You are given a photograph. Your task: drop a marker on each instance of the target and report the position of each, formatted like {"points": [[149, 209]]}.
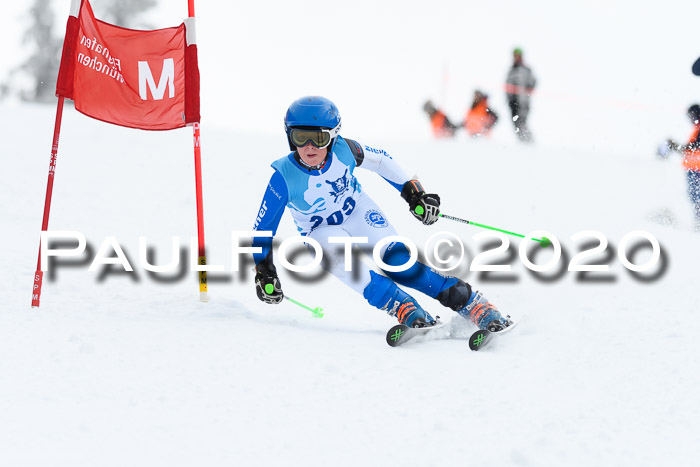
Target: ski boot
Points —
{"points": [[408, 311], [484, 314]]}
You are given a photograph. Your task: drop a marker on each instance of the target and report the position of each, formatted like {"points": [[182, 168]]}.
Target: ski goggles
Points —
{"points": [[319, 137]]}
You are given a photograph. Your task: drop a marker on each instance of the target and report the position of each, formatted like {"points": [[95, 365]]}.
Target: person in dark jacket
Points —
{"points": [[520, 84]]}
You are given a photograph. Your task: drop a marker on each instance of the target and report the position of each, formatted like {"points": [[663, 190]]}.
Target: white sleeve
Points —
{"points": [[379, 161]]}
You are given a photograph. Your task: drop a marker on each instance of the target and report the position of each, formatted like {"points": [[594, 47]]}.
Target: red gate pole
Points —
{"points": [[39, 274], [203, 295]]}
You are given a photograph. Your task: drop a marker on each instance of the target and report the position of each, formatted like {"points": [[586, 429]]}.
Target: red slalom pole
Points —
{"points": [[39, 274], [202, 259], [203, 295]]}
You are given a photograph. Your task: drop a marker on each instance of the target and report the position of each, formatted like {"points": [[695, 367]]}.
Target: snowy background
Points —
{"points": [[130, 369]]}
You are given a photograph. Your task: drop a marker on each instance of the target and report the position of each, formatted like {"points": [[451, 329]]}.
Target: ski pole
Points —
{"points": [[544, 241], [317, 312]]}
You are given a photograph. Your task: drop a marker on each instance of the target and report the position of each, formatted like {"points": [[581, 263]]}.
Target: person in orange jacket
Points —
{"points": [[441, 125], [691, 160], [480, 118]]}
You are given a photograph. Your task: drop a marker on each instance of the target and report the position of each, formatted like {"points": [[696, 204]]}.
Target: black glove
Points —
{"points": [[267, 284], [424, 206]]}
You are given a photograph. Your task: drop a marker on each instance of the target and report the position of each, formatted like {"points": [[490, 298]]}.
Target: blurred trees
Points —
{"points": [[34, 79], [124, 13]]}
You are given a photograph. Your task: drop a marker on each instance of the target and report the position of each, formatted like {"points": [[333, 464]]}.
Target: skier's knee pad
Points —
{"points": [[379, 290], [456, 296]]}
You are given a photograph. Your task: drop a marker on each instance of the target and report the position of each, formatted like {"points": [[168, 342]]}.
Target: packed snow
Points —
{"points": [[127, 368]]}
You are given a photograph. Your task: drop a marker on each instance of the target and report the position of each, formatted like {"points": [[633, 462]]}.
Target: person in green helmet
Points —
{"points": [[520, 83]]}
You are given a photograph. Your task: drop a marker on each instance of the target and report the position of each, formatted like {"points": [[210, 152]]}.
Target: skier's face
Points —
{"points": [[312, 155]]}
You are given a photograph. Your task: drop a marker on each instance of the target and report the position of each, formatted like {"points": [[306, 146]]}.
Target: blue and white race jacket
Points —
{"points": [[320, 197]]}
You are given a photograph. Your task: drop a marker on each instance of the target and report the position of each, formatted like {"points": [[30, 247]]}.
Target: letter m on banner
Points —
{"points": [[138, 79], [167, 78]]}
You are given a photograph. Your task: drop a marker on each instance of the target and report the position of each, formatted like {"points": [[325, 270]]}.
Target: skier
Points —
{"points": [[316, 181], [441, 125], [520, 83], [691, 161], [480, 117]]}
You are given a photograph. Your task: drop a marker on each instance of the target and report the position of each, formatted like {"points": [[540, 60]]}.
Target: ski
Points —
{"points": [[479, 339], [400, 334]]}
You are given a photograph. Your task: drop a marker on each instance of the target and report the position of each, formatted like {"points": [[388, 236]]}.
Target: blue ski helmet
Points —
{"points": [[311, 112]]}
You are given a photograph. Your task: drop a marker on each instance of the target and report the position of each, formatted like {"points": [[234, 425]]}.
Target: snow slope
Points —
{"points": [[127, 370]]}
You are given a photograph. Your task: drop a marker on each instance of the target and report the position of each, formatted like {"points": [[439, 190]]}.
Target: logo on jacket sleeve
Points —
{"points": [[381, 152], [261, 214], [376, 219]]}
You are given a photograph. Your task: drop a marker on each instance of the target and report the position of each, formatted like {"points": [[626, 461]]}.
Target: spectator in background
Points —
{"points": [[441, 125], [691, 161], [480, 118], [520, 83]]}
